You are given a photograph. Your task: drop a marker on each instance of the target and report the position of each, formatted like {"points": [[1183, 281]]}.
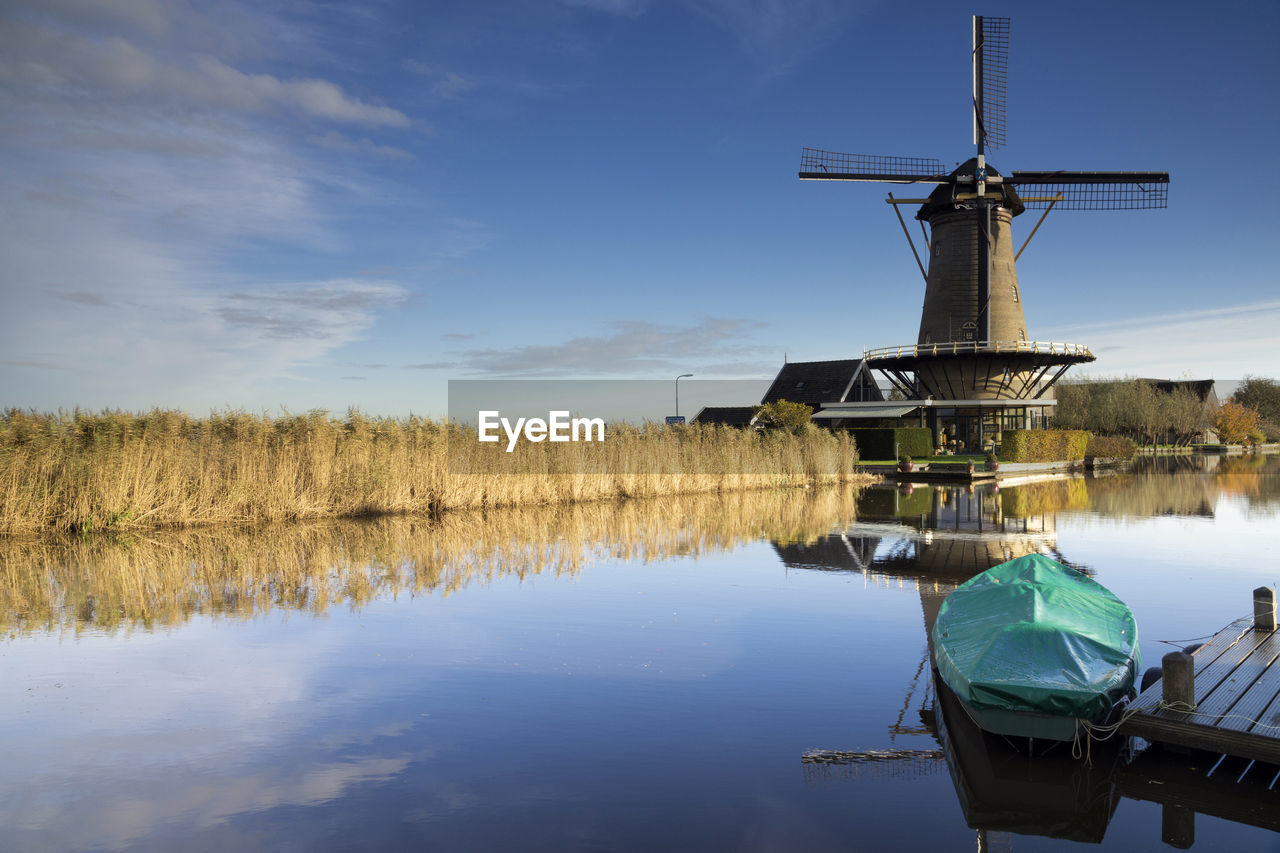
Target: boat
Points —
{"points": [[1033, 648]]}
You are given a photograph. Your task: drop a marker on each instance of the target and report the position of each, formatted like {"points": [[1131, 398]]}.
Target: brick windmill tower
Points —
{"points": [[974, 369]]}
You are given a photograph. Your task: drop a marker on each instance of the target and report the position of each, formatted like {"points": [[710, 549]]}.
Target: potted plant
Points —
{"points": [[969, 467], [993, 464], [904, 463]]}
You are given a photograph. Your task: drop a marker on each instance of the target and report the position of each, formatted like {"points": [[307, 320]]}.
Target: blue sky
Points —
{"points": [[309, 205]]}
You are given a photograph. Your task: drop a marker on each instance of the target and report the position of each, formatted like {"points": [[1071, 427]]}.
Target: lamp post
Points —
{"points": [[678, 378]]}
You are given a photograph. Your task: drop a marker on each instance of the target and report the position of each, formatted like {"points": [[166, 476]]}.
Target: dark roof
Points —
{"points": [[1202, 388], [816, 382], [739, 416]]}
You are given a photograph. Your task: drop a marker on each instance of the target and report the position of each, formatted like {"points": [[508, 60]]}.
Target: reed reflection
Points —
{"points": [[163, 579]]}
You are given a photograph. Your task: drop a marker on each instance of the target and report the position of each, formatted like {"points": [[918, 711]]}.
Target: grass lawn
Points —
{"points": [[977, 459]]}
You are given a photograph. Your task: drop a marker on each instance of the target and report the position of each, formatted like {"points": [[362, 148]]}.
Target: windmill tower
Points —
{"points": [[973, 365]]}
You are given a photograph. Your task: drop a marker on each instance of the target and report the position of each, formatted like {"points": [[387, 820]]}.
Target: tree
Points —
{"points": [[1184, 413], [1262, 395], [1234, 422], [783, 414]]}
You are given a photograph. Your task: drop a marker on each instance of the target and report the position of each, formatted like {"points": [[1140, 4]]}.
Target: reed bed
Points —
{"points": [[159, 578], [119, 470]]}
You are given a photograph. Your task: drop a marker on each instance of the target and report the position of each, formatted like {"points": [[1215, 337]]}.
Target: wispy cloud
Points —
{"points": [[623, 8], [159, 143], [324, 311], [83, 297], [779, 33], [633, 347], [1170, 345], [432, 365], [453, 85], [335, 141]]}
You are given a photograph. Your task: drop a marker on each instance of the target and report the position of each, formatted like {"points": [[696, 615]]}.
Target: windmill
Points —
{"points": [[973, 352]]}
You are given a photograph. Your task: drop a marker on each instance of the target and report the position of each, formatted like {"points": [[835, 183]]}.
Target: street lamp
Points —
{"points": [[678, 378]]}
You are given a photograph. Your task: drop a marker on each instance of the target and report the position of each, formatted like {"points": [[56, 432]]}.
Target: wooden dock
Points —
{"points": [[1224, 697]]}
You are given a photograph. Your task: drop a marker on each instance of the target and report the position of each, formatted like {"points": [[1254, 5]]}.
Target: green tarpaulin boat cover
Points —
{"points": [[1033, 635]]}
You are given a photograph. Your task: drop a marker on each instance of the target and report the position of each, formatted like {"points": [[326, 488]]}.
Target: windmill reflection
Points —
{"points": [[936, 538]]}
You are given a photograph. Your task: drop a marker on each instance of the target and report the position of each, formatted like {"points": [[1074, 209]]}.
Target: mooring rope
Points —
{"points": [[1087, 732], [1184, 708]]}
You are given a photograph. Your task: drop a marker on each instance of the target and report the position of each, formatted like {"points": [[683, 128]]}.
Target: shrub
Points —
{"points": [[1109, 447], [1234, 422], [1043, 445], [891, 443]]}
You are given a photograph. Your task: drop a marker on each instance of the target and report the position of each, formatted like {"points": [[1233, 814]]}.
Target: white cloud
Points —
{"points": [[221, 84]]}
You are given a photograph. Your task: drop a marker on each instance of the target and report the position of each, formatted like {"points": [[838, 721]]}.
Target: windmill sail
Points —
{"points": [[1093, 190], [819, 165]]}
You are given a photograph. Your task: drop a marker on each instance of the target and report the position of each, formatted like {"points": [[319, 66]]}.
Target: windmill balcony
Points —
{"points": [[978, 348]]}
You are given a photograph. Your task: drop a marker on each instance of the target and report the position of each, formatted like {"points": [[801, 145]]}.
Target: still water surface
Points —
{"points": [[739, 672]]}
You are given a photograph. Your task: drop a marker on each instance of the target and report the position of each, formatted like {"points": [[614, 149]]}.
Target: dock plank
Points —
{"points": [[1269, 720], [1229, 695], [1261, 694]]}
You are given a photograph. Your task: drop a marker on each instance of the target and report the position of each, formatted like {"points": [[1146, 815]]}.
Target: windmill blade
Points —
{"points": [[990, 80], [818, 165], [1093, 190]]}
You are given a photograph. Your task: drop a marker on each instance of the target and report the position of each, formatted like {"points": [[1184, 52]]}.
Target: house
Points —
{"points": [[736, 416]]}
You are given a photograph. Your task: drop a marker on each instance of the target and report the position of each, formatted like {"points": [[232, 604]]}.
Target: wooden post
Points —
{"points": [[1178, 676], [1264, 608]]}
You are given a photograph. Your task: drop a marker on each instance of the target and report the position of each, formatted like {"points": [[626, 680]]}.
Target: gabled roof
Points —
{"points": [[1204, 389], [739, 416], [816, 382]]}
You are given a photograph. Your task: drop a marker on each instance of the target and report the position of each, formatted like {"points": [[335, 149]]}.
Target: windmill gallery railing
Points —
{"points": [[976, 348]]}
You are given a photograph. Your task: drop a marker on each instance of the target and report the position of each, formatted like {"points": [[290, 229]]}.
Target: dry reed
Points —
{"points": [[118, 470]]}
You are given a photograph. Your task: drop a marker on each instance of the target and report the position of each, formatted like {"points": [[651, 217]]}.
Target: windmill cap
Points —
{"points": [[942, 199]]}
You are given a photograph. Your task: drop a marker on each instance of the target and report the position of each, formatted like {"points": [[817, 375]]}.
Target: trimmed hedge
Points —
{"points": [[879, 443], [1043, 445], [1109, 447]]}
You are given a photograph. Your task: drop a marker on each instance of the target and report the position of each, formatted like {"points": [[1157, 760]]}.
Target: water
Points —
{"points": [[739, 672]]}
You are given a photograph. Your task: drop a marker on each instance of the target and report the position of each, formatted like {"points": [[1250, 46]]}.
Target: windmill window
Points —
{"points": [[937, 248], [1014, 287], [799, 385], [1022, 334]]}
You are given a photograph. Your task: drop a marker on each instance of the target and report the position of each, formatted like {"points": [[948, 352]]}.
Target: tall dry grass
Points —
{"points": [[163, 578], [120, 470]]}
